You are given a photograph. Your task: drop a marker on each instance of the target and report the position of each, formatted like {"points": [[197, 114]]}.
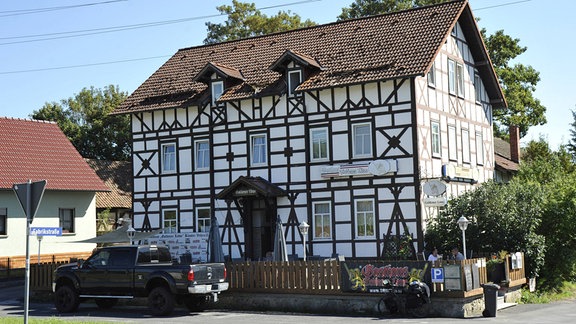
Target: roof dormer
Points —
{"points": [[218, 77], [296, 67]]}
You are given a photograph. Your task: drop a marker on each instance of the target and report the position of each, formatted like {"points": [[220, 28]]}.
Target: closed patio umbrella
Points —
{"points": [[215, 253], [280, 250]]}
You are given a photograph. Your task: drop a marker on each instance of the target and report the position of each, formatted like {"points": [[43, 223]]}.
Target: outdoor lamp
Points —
{"points": [[303, 227], [130, 232], [463, 224]]}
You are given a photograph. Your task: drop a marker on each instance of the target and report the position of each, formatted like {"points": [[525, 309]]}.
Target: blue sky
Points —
{"points": [[35, 72]]}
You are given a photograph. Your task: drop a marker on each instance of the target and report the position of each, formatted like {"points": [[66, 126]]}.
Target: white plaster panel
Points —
{"points": [[279, 175], [187, 219], [260, 173], [404, 92], [339, 97], [323, 247], [152, 184], [343, 233], [383, 120], [319, 185], [169, 182], [298, 174], [372, 92], [340, 147], [220, 150], [404, 118], [239, 149], [185, 182], [298, 158], [342, 196], [240, 163], [277, 145], [365, 249], [152, 145], [201, 180], [220, 164]]}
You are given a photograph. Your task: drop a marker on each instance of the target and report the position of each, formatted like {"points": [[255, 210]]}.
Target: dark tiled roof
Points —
{"points": [[260, 185], [117, 175], [390, 46], [39, 150], [502, 156]]}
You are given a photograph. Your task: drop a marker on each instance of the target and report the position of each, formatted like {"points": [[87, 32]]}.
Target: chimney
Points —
{"points": [[514, 143]]}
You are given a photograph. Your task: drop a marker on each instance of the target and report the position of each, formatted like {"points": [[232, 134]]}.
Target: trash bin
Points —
{"points": [[490, 299]]}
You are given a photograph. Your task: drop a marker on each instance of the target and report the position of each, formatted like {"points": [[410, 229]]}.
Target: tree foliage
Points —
{"points": [[555, 173], [86, 121], [572, 143], [244, 20], [518, 81], [503, 217], [363, 8]]}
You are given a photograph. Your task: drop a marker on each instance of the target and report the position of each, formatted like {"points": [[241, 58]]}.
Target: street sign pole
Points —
{"points": [[27, 278], [29, 195]]}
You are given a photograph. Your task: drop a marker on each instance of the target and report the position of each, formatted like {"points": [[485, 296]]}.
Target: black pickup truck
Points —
{"points": [[125, 272]]}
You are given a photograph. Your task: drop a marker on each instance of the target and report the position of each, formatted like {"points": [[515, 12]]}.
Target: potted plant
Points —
{"points": [[495, 267]]}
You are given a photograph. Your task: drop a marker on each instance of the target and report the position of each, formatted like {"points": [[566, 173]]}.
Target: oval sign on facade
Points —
{"points": [[434, 188]]}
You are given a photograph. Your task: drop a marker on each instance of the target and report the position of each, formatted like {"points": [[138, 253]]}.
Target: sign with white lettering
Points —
{"points": [[373, 168], [46, 231], [437, 274]]}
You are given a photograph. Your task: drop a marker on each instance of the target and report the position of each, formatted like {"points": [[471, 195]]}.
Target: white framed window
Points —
{"points": [[3, 221], [319, 143], [202, 155], [365, 220], [436, 143], [203, 219], [169, 221], [479, 149], [451, 76], [66, 219], [432, 76], [452, 145], [478, 87], [217, 91], [294, 80], [258, 149], [460, 79], [168, 157], [465, 146], [322, 220], [362, 137]]}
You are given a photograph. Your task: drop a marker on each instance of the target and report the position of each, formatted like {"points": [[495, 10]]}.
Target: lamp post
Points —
{"points": [[130, 232], [304, 231], [463, 224]]}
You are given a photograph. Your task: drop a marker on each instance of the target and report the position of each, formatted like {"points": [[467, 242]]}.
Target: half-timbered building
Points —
{"points": [[361, 128]]}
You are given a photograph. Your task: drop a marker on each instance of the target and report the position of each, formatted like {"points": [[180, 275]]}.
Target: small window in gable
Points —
{"points": [[432, 76], [217, 91], [478, 87], [294, 80]]}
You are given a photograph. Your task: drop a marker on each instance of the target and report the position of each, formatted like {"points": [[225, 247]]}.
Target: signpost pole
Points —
{"points": [[27, 275]]}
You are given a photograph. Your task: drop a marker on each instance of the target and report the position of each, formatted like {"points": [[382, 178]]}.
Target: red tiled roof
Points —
{"points": [[117, 175], [396, 45], [39, 150]]}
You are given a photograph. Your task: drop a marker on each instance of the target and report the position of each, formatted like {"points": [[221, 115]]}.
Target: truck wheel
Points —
{"points": [[106, 303], [66, 299], [195, 303], [160, 301]]}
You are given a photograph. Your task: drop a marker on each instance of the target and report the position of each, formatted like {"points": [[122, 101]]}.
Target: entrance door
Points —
{"points": [[261, 230]]}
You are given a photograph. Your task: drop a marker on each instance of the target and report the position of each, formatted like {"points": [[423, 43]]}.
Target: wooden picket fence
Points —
{"points": [[13, 267], [301, 277], [310, 277]]}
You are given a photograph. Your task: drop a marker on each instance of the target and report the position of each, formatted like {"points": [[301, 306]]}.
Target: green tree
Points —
{"points": [[555, 174], [572, 143], [363, 8], [86, 121], [503, 217], [244, 20], [518, 81]]}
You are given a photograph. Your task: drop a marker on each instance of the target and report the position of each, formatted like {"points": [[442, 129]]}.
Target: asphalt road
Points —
{"points": [[12, 305]]}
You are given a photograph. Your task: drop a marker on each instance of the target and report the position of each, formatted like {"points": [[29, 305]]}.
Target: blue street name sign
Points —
{"points": [[437, 274], [46, 231]]}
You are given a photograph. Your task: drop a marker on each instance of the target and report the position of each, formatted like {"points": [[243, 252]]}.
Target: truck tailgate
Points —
{"points": [[208, 273]]}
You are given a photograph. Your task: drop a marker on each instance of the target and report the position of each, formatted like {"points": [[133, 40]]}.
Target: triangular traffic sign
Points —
{"points": [[32, 190]]}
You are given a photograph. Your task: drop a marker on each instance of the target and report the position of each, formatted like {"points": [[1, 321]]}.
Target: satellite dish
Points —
{"points": [[379, 167]]}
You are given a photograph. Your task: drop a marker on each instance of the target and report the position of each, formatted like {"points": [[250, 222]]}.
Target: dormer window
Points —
{"points": [[294, 80], [217, 91]]}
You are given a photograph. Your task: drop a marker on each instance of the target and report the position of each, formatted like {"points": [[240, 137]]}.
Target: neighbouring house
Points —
{"points": [[507, 156], [38, 150], [361, 128], [115, 205]]}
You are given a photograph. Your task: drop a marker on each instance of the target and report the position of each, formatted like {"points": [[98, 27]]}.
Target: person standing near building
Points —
{"points": [[456, 255]]}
